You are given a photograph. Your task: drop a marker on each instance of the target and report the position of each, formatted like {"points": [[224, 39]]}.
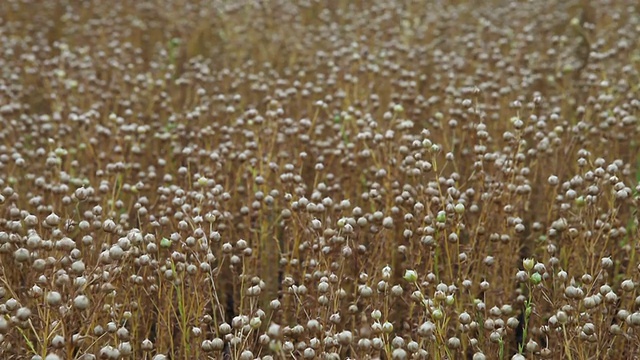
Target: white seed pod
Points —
{"points": [[81, 302]]}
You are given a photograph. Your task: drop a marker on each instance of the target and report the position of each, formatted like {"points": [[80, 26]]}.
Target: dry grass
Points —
{"points": [[319, 179]]}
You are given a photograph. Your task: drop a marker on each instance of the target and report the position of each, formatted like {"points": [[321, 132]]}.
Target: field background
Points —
{"points": [[319, 179]]}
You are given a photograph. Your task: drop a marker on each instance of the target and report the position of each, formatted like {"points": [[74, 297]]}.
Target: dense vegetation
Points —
{"points": [[319, 179]]}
